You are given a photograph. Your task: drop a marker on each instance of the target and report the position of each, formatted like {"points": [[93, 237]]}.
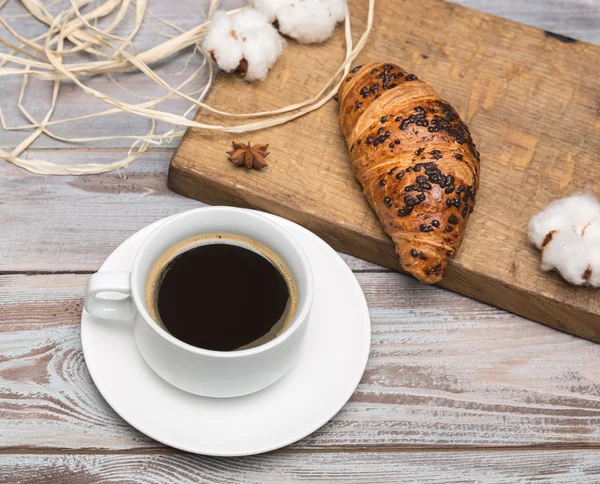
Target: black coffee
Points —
{"points": [[222, 297]]}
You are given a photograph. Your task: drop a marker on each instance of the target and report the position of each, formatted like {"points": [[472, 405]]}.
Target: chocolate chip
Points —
{"points": [[404, 211]]}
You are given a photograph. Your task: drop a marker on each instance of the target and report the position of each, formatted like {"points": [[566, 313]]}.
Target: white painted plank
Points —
{"points": [[578, 19], [444, 372], [74, 223], [561, 467], [73, 102]]}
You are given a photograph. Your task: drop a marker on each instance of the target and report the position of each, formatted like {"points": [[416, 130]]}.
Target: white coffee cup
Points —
{"points": [[196, 370]]}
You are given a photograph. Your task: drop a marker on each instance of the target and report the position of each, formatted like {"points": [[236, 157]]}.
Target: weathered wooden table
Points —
{"points": [[454, 391]]}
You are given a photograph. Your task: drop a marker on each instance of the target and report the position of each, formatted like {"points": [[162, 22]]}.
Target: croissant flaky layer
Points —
{"points": [[415, 160]]}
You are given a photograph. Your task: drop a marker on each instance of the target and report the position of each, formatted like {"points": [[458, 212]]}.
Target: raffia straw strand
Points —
{"points": [[46, 62]]}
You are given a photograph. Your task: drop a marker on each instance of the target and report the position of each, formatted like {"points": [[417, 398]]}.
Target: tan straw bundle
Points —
{"points": [[45, 58]]}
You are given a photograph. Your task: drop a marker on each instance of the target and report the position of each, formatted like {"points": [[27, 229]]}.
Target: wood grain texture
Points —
{"points": [[445, 371], [530, 100], [74, 223], [367, 468]]}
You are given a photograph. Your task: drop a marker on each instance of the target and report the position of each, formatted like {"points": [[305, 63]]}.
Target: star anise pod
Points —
{"points": [[250, 156]]}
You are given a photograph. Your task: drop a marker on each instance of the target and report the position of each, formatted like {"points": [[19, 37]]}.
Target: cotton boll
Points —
{"points": [[307, 21], [245, 36], [261, 43], [219, 41], [568, 233], [571, 213], [566, 252]]}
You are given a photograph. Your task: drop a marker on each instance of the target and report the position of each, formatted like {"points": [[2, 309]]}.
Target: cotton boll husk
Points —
{"points": [[567, 253], [307, 21], [226, 49], [571, 213], [245, 35]]}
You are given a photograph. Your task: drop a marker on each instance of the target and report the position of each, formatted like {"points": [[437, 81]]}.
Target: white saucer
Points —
{"points": [[326, 374]]}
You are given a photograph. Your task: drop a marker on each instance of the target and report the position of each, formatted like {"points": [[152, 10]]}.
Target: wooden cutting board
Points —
{"points": [[531, 99]]}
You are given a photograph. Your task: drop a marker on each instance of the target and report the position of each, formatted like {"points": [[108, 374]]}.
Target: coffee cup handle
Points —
{"points": [[109, 308]]}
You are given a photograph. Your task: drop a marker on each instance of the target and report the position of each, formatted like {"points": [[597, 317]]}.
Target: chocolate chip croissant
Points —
{"points": [[415, 160]]}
